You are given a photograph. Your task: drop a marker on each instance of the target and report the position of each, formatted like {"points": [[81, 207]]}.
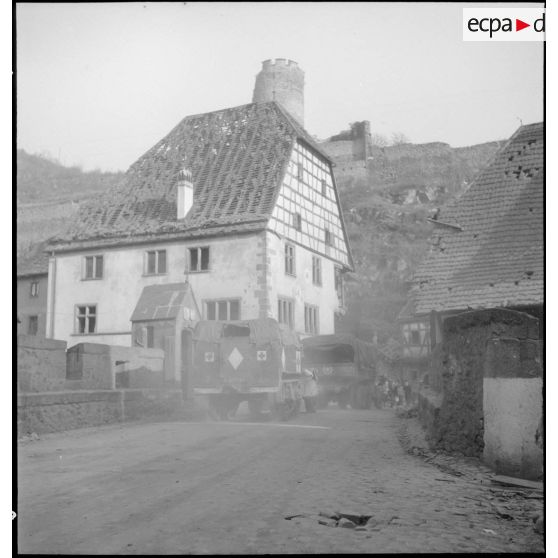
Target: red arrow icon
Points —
{"points": [[519, 25]]}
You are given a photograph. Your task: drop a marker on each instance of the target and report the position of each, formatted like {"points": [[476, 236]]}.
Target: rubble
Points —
{"points": [[346, 523], [506, 497]]}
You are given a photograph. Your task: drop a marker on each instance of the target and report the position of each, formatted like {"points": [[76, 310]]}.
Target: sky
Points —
{"points": [[99, 84]]}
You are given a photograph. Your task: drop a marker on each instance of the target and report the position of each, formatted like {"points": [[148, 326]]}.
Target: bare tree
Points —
{"points": [[397, 138], [378, 140]]}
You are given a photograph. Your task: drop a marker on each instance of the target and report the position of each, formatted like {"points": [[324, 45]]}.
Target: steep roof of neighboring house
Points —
{"points": [[237, 156], [34, 263], [488, 245]]}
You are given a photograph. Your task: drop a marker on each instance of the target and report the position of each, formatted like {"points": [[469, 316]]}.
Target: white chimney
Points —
{"points": [[184, 193]]}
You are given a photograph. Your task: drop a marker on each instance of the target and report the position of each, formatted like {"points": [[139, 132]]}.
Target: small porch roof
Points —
{"points": [[166, 302]]}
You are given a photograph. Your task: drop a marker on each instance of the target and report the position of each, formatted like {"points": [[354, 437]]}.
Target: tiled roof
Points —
{"points": [[164, 302], [409, 311], [34, 263], [237, 157], [491, 254]]}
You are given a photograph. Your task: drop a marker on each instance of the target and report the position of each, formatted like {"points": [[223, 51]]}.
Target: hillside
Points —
{"points": [[40, 180], [385, 207], [48, 195]]}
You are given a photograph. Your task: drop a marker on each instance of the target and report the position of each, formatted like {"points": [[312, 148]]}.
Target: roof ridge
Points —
{"points": [[301, 131]]}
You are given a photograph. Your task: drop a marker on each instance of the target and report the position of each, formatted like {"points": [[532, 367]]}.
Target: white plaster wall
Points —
{"points": [[233, 274], [512, 411], [301, 288]]}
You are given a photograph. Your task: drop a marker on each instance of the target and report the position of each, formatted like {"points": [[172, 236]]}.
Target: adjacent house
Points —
{"points": [[488, 245], [415, 343], [32, 280], [482, 286], [240, 203]]}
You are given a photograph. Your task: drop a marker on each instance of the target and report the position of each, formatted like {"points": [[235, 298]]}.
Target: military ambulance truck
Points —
{"points": [[258, 361]]}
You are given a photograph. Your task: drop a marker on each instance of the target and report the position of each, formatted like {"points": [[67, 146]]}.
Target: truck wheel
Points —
{"points": [[231, 409], [255, 406], [323, 401], [354, 397], [309, 405], [360, 397], [343, 399]]}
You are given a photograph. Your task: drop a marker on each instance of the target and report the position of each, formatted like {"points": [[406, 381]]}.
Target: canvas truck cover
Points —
{"points": [[337, 349], [246, 356]]}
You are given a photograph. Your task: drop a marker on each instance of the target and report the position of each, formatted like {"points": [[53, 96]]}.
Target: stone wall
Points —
{"points": [[58, 411], [41, 364], [99, 366], [61, 390], [429, 403], [459, 365], [89, 367]]}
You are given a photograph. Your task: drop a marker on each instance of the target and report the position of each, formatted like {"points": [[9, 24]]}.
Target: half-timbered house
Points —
{"points": [[240, 203]]}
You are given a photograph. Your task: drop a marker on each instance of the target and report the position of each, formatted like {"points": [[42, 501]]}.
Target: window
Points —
{"points": [[199, 259], [222, 309], [327, 237], [339, 283], [300, 171], [415, 337], [155, 262], [93, 267], [150, 337], [33, 325], [324, 187], [297, 221], [316, 270], [311, 322], [86, 318], [290, 259], [34, 289], [285, 312]]}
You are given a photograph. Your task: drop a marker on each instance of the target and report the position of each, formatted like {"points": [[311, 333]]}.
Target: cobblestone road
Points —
{"points": [[226, 488]]}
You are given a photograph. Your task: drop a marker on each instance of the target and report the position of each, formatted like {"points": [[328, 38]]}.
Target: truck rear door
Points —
{"points": [[246, 365]]}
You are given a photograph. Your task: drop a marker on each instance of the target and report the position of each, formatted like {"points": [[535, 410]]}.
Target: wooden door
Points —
{"points": [[168, 343]]}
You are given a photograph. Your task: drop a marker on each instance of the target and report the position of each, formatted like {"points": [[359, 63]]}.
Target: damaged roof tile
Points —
{"points": [[237, 158], [497, 260]]}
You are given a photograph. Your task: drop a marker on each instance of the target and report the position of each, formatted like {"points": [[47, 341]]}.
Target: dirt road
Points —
{"points": [[227, 487]]}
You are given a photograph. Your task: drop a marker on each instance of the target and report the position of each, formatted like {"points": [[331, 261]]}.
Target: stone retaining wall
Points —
{"points": [[66, 410], [41, 364]]}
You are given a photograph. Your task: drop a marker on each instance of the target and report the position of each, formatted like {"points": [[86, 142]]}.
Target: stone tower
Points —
{"points": [[281, 80]]}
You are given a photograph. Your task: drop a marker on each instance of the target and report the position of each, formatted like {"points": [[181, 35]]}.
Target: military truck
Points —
{"points": [[258, 361], [345, 367]]}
